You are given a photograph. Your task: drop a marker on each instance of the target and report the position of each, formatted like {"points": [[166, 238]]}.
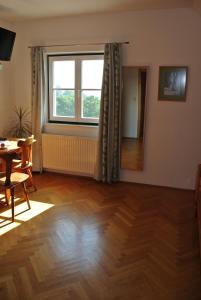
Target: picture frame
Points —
{"points": [[172, 83]]}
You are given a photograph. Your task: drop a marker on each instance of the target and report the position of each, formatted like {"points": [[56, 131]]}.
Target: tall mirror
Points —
{"points": [[133, 116]]}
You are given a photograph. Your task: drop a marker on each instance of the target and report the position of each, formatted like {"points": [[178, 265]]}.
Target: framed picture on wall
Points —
{"points": [[172, 83]]}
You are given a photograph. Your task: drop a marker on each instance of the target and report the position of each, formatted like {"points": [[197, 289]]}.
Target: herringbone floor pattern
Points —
{"points": [[121, 241]]}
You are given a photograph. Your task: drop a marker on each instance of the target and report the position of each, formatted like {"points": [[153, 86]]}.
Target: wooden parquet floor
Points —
{"points": [[132, 154], [119, 242]]}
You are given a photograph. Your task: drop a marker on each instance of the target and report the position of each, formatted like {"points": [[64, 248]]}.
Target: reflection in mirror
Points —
{"points": [[133, 115]]}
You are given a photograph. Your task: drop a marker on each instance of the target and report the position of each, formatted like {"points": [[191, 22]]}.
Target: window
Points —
{"points": [[75, 88]]}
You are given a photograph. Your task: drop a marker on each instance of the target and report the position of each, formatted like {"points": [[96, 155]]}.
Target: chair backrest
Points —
{"points": [[26, 150]]}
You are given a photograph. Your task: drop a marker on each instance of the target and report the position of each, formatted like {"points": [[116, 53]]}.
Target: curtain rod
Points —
{"points": [[84, 44]]}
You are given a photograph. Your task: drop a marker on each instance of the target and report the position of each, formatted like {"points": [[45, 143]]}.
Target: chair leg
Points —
{"points": [[7, 195], [26, 195], [12, 203], [29, 172]]}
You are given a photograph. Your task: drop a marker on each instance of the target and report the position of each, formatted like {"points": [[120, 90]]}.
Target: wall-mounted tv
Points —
{"points": [[7, 39]]}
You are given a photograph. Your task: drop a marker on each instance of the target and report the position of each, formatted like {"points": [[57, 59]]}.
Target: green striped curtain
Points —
{"points": [[108, 154], [38, 104]]}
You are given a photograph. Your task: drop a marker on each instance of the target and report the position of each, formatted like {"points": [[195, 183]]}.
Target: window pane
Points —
{"points": [[64, 103], [92, 72], [64, 74], [91, 104]]}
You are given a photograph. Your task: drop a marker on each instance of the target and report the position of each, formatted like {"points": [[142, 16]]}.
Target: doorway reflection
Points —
{"points": [[133, 116]]}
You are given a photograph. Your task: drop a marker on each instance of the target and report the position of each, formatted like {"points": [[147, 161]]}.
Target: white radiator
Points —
{"points": [[70, 154]]}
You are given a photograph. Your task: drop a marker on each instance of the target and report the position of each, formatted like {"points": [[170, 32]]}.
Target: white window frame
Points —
{"points": [[78, 58]]}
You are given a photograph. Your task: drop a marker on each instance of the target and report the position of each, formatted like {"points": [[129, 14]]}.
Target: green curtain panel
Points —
{"points": [[38, 104], [108, 153]]}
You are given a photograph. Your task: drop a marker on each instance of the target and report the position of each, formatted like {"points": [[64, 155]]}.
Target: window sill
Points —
{"points": [[71, 129]]}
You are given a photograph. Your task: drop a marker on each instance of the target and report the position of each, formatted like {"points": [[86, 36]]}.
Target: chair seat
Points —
{"points": [[16, 161], [21, 167], [15, 178]]}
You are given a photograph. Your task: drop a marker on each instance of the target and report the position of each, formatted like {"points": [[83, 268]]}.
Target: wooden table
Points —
{"points": [[7, 154]]}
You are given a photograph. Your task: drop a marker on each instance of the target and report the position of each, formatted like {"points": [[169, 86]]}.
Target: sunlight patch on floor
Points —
{"points": [[7, 225], [22, 214]]}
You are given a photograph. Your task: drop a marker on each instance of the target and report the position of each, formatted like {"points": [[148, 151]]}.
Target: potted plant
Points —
{"points": [[21, 124]]}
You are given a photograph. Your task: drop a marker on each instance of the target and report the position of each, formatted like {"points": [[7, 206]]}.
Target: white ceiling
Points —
{"points": [[26, 9]]}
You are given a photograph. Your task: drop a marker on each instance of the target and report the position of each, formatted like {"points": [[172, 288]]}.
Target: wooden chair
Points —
{"points": [[9, 181], [24, 165]]}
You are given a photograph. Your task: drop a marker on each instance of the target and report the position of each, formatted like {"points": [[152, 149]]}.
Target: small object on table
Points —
{"points": [[3, 146]]}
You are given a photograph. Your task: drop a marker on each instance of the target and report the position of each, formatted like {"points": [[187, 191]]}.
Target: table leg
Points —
{"points": [[7, 165]]}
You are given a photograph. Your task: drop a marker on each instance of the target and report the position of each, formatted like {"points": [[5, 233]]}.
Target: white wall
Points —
{"points": [[5, 87], [172, 37]]}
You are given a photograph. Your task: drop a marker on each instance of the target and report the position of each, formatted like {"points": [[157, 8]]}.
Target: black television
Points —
{"points": [[7, 39]]}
